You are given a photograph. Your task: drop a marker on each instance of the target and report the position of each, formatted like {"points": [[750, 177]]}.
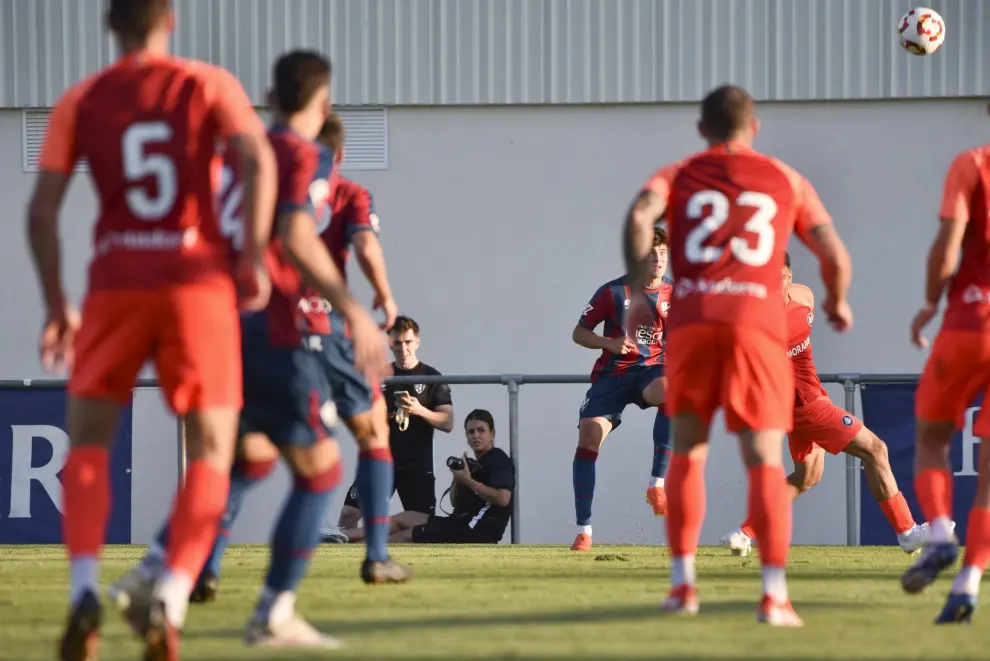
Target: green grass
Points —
{"points": [[527, 602]]}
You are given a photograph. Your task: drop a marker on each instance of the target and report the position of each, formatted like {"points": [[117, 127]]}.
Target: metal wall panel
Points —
{"points": [[467, 52]]}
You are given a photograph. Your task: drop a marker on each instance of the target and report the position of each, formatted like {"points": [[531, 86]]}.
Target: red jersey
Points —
{"points": [[352, 211], [304, 169], [608, 306], [800, 312], [730, 214], [149, 127], [967, 197]]}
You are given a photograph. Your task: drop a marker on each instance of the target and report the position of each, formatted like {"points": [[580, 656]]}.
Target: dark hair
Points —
{"points": [[135, 18], [298, 76], [787, 259], [403, 324], [481, 415], [659, 237], [332, 133], [726, 111]]}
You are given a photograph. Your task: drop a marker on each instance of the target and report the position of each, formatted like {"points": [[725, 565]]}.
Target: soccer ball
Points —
{"points": [[921, 30]]}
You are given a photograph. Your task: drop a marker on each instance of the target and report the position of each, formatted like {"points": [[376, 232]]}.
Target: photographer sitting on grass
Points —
{"points": [[481, 494]]}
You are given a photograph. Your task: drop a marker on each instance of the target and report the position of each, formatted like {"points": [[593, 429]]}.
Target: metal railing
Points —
{"points": [[850, 382]]}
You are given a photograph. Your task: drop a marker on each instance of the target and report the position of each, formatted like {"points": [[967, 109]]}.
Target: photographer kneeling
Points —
{"points": [[481, 494]]}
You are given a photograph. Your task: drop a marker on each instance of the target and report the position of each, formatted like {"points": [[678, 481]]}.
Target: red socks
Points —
{"points": [[685, 487], [770, 513], [86, 500], [898, 513], [199, 505], [934, 489]]}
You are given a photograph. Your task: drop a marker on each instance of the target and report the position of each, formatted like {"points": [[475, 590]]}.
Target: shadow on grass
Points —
{"points": [[590, 615]]}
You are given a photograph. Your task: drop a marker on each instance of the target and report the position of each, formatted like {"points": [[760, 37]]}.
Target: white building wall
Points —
{"points": [[499, 223], [496, 52]]}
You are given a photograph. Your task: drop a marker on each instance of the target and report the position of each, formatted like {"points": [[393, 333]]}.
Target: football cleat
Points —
{"points": [[933, 560], [206, 588], [289, 632], [582, 542], [389, 571], [333, 535], [738, 542], [958, 609], [682, 600], [777, 613], [81, 640], [657, 498]]}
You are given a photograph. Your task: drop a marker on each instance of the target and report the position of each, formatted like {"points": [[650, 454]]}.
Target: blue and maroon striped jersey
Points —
{"points": [[609, 306], [304, 170], [352, 211]]}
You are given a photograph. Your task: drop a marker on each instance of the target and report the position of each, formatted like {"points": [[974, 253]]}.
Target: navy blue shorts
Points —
{"points": [[351, 393], [610, 395], [286, 394]]}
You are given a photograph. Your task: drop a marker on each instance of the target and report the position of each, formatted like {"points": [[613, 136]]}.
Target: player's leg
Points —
{"points": [[316, 472], [962, 599], [867, 447], [809, 467], [591, 435], [256, 460], [694, 379], [655, 395], [600, 413], [362, 408], [758, 396], [954, 373], [198, 360], [113, 342]]}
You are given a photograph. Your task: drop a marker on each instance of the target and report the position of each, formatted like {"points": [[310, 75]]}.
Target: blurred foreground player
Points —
{"points": [[629, 371], [957, 371], [730, 213], [287, 408], [160, 288], [820, 426], [359, 403]]}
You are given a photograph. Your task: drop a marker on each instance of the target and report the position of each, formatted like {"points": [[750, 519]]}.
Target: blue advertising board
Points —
{"points": [[888, 410], [33, 448]]}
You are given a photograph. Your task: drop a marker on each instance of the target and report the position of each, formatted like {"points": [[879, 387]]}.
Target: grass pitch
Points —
{"points": [[526, 602]]}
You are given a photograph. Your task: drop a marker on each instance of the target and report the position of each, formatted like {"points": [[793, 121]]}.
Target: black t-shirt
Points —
{"points": [[498, 472], [413, 448]]}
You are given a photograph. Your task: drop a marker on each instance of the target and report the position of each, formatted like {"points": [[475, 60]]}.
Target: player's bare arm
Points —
{"points": [[943, 259], [589, 339], [371, 258], [61, 318], [308, 254], [836, 271], [256, 162], [637, 238]]}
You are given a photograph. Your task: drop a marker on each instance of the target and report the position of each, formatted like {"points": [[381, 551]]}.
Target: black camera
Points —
{"points": [[456, 464]]}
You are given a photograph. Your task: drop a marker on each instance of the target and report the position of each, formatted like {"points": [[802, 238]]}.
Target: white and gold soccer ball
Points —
{"points": [[921, 31]]}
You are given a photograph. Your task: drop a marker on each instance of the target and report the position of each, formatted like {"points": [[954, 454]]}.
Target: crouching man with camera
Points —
{"points": [[480, 493]]}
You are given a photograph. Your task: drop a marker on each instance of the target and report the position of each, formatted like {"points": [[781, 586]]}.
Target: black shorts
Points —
{"points": [[417, 491], [451, 530]]}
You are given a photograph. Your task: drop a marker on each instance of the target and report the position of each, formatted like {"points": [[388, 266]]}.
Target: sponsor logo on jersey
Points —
{"points": [[664, 308], [799, 349], [648, 335], [811, 318], [847, 421]]}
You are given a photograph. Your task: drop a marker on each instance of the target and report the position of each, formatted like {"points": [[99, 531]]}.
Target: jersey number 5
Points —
{"points": [[760, 224], [138, 164]]}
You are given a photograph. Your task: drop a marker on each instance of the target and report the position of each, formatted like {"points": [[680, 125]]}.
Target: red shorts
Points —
{"points": [[743, 371], [957, 370], [192, 333], [821, 423]]}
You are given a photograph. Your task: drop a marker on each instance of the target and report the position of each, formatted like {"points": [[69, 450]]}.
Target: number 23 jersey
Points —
{"points": [[730, 212]]}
